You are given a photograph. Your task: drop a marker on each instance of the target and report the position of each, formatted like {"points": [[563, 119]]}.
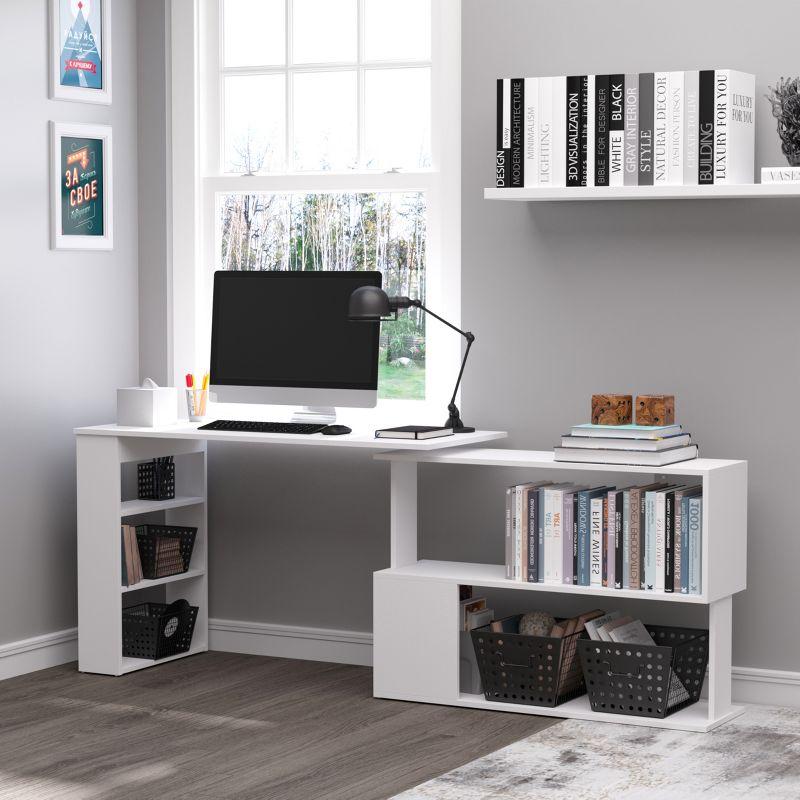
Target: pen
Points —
{"points": [[204, 395]]}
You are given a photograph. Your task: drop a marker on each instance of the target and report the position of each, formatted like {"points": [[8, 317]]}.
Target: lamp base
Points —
{"points": [[454, 421]]}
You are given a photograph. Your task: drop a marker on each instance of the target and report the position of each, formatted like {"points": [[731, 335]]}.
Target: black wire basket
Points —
{"points": [[165, 549], [646, 680], [528, 670], [157, 630]]}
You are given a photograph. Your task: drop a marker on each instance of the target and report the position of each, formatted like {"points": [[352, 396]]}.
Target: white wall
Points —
{"points": [[68, 321]]}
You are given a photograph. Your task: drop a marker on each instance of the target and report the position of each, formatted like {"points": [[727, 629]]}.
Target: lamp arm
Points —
{"points": [[454, 421], [470, 339], [465, 334]]}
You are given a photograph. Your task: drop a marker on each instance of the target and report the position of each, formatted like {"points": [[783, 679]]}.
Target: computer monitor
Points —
{"points": [[285, 338]]}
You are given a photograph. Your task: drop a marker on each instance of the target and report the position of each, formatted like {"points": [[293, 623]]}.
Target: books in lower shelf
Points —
{"points": [[689, 127], [614, 627], [643, 537]]}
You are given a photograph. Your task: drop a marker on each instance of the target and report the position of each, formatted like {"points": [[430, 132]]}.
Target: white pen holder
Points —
{"points": [[196, 402]]}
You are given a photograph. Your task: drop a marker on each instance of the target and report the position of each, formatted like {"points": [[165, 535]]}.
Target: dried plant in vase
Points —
{"points": [[785, 100]]}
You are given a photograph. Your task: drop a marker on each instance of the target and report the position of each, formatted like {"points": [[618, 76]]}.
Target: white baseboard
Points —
{"points": [[750, 684], [770, 687], [287, 641], [38, 652]]}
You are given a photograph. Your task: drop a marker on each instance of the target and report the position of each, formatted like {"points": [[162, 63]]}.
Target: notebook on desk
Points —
{"points": [[413, 432]]}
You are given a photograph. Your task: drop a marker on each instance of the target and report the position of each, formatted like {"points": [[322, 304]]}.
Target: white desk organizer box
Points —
{"points": [[147, 406]]}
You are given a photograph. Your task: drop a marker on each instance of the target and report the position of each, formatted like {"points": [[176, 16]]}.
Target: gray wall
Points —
{"points": [[68, 323], [154, 178], [696, 298]]}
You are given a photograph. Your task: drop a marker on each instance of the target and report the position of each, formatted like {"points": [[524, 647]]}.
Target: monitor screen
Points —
{"points": [[291, 329]]}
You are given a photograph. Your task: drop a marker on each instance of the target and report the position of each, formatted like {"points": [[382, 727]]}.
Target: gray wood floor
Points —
{"points": [[220, 725]]}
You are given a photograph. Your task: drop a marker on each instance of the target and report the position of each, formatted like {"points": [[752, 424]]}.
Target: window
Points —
{"points": [[321, 145], [336, 85], [341, 231]]}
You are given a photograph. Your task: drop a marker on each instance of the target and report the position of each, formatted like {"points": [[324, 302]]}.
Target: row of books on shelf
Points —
{"points": [[693, 127], [639, 537]]}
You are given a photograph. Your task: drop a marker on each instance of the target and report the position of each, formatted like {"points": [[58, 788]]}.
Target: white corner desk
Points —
{"points": [[101, 452]]}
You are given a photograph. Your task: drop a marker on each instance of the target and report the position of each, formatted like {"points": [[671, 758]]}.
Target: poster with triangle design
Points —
{"points": [[80, 26]]}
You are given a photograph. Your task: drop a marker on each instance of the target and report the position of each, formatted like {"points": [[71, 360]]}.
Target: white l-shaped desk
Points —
{"points": [[101, 451]]}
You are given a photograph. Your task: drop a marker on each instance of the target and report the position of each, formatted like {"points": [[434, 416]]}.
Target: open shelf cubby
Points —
{"points": [[416, 602]]}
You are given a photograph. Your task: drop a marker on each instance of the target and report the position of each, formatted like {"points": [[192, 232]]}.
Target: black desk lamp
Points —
{"points": [[371, 304]]}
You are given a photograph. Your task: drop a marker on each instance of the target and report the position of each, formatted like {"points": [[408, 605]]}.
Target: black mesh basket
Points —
{"points": [[156, 630], [528, 670], [156, 480], [646, 680], [165, 549]]}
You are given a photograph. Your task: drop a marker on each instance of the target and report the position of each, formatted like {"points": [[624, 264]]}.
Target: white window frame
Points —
{"points": [[197, 179]]}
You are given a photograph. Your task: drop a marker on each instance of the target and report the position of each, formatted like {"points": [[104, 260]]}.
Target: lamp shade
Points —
{"points": [[369, 304]]}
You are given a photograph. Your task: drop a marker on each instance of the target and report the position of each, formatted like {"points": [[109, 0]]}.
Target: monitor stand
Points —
{"points": [[320, 415]]}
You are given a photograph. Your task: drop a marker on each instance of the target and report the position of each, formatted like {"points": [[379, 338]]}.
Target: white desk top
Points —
{"points": [[189, 430]]}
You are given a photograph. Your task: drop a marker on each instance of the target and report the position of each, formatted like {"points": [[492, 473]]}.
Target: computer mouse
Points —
{"points": [[335, 430]]}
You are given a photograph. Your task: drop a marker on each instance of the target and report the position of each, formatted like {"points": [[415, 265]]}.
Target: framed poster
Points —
{"points": [[80, 50], [81, 175]]}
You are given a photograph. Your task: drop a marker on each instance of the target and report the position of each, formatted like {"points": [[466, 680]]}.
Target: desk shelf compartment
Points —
{"points": [[106, 491]]}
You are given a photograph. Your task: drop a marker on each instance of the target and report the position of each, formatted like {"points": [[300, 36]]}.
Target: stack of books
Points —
{"points": [[636, 445], [645, 538], [694, 127]]}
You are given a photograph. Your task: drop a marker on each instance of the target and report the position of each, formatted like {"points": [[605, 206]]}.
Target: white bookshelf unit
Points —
{"points": [[101, 595], [588, 193], [416, 603]]}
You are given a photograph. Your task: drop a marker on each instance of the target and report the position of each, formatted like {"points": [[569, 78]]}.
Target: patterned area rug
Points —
{"points": [[755, 756]]}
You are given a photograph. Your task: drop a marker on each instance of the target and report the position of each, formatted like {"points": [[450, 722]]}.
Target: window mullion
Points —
{"points": [[289, 89], [360, 80]]}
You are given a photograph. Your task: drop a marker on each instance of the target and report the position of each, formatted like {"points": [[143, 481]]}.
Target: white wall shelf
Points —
{"points": [[589, 193], [416, 623], [147, 583]]}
